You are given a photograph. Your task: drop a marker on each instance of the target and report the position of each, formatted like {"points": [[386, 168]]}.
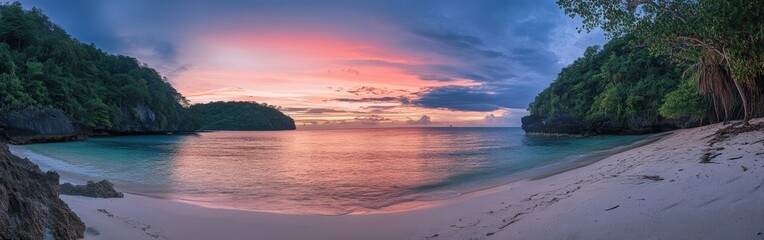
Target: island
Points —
{"points": [[241, 116]]}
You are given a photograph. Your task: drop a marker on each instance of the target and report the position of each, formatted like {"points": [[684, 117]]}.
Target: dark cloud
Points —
{"points": [[290, 109], [380, 109], [490, 118], [468, 44], [450, 38], [365, 90], [508, 118], [384, 107], [178, 70], [163, 50], [489, 72], [317, 110], [347, 71], [324, 110], [373, 100], [483, 98], [428, 77], [371, 119], [81, 19], [424, 120]]}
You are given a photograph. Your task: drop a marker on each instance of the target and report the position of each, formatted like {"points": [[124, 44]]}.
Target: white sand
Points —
{"points": [[694, 201]]}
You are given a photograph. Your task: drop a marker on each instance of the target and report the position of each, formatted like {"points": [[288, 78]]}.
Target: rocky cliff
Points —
{"points": [[142, 120], [21, 125], [29, 204], [24, 125], [566, 126]]}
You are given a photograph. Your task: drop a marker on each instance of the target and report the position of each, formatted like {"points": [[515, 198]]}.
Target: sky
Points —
{"points": [[346, 63]]}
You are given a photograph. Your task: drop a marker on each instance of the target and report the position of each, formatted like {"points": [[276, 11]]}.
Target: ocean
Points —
{"points": [[320, 171]]}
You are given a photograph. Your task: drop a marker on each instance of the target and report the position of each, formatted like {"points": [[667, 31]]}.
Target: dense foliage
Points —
{"points": [[617, 84], [684, 102], [242, 116], [42, 66], [723, 41]]}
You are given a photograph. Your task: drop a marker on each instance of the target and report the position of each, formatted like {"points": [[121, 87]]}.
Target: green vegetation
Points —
{"points": [[723, 42], [618, 84], [684, 102], [242, 116], [42, 66]]}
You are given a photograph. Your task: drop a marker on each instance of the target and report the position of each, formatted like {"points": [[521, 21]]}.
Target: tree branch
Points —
{"points": [[636, 3]]}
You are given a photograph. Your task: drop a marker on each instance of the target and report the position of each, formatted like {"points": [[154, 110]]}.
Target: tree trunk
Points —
{"points": [[744, 100]]}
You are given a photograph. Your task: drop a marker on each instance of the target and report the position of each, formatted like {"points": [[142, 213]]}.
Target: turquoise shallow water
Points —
{"points": [[320, 171]]}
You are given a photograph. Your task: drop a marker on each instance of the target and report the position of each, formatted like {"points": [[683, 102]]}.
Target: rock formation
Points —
{"points": [[24, 125], [101, 189], [566, 126], [29, 204], [21, 125], [142, 120]]}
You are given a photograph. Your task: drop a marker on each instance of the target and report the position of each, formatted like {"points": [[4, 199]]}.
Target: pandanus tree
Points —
{"points": [[723, 40]]}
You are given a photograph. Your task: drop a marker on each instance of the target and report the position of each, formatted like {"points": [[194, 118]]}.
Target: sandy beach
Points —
{"points": [[656, 191]]}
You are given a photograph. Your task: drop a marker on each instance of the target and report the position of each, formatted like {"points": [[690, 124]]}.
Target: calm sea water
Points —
{"points": [[320, 171]]}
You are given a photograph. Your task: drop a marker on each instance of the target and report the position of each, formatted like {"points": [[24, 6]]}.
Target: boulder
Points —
{"points": [[101, 189]]}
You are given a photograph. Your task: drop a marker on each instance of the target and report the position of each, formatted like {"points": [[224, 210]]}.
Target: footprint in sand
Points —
{"points": [[146, 228]]}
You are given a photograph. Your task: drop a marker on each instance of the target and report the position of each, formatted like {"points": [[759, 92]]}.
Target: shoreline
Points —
{"points": [[611, 198], [463, 190]]}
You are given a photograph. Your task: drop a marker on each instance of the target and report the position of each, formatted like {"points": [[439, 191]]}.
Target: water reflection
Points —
{"points": [[325, 171], [367, 169]]}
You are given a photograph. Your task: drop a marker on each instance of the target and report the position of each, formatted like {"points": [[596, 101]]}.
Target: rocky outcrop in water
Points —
{"points": [[101, 189], [21, 125], [567, 126], [557, 126], [29, 204]]}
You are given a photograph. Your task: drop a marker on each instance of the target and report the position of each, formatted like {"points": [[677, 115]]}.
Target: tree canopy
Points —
{"points": [[42, 66], [618, 83], [242, 116], [723, 42]]}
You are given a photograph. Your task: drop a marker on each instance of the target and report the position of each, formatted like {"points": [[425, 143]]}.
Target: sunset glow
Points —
{"points": [[360, 65]]}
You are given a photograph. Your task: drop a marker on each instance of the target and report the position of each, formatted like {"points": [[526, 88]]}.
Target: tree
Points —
{"points": [[684, 102], [725, 37], [16, 28]]}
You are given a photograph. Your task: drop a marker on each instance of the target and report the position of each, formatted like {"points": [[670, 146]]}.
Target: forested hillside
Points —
{"points": [[720, 48], [242, 116], [42, 66], [53, 87], [722, 43], [618, 88]]}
